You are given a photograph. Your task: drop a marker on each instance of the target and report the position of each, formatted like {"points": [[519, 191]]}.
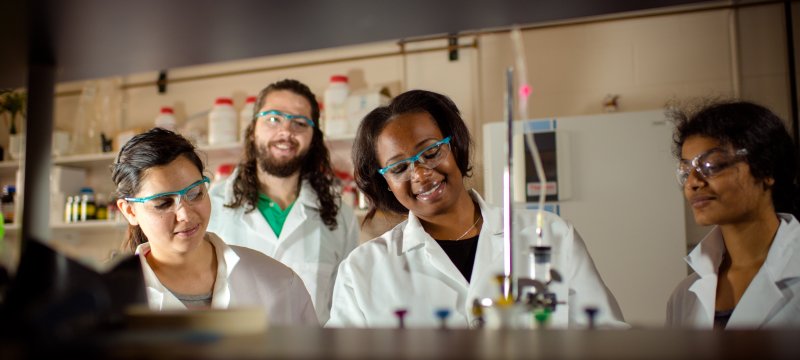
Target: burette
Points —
{"points": [[522, 104], [540, 250]]}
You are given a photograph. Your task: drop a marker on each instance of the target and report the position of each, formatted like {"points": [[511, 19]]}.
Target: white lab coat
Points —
{"points": [[771, 300], [245, 278], [406, 268], [305, 244]]}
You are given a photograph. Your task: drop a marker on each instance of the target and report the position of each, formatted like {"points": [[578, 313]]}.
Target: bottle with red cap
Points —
{"points": [[166, 119], [335, 100], [223, 172], [246, 115], [223, 122]]}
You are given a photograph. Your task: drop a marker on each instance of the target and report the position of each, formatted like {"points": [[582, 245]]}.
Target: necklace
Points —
{"points": [[470, 228]]}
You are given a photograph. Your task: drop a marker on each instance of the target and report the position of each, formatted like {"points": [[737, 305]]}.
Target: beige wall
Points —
{"points": [[648, 61], [762, 57]]}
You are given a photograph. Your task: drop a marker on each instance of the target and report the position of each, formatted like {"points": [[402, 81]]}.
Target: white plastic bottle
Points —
{"points": [[245, 115], [222, 122], [166, 119], [335, 100]]}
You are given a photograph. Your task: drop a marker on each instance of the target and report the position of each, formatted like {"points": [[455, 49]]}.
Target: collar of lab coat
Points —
{"points": [[306, 199], [414, 235], [764, 291], [706, 257], [783, 249], [705, 260], [161, 298], [416, 238]]}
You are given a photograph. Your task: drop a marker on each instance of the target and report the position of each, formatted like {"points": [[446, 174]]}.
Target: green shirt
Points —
{"points": [[272, 213]]}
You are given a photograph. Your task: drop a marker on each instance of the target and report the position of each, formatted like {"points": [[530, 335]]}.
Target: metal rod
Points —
{"points": [[790, 49], [508, 242], [36, 165], [35, 206]]}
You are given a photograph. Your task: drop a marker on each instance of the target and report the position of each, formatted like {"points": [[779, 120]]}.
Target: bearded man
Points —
{"points": [[282, 199]]}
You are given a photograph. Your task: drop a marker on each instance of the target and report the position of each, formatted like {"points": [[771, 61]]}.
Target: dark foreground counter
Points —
{"points": [[308, 343]]}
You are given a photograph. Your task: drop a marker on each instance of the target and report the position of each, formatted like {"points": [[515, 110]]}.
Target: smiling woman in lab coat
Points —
{"points": [[412, 157], [738, 168], [164, 196]]}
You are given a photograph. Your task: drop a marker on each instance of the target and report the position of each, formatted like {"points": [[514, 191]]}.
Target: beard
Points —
{"points": [[280, 168]]}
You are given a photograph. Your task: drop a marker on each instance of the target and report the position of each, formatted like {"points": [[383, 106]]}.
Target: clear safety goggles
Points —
{"points": [[275, 119], [708, 164], [428, 158], [168, 202]]}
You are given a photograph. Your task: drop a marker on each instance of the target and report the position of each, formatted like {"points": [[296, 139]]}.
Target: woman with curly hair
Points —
{"points": [[738, 166]]}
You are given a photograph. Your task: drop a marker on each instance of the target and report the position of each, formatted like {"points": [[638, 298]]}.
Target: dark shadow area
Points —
{"points": [[55, 304]]}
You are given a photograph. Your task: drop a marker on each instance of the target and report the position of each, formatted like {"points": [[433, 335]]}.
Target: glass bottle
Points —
{"points": [[68, 210], [88, 208], [7, 202]]}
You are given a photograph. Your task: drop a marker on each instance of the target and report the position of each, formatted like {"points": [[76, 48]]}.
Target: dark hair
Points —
{"points": [[153, 148], [317, 169], [365, 158], [771, 153]]}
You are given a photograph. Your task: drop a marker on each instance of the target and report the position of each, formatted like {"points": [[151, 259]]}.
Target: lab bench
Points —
{"points": [[313, 343]]}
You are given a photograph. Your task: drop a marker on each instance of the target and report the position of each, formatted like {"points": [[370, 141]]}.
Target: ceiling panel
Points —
{"points": [[97, 38]]}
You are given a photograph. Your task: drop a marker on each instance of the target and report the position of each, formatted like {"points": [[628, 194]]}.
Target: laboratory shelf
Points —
{"points": [[94, 225], [341, 144], [104, 159], [341, 137], [8, 168], [99, 225], [85, 160], [11, 227], [222, 150]]}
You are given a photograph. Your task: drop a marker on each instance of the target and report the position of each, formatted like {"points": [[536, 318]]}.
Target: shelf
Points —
{"points": [[222, 150], [10, 228], [104, 159], [91, 225], [103, 228], [9, 167], [232, 150], [342, 143], [340, 137], [86, 160], [97, 225]]}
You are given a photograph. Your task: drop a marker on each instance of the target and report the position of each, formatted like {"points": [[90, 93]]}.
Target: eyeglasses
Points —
{"points": [[708, 164], [429, 158], [168, 202], [275, 118]]}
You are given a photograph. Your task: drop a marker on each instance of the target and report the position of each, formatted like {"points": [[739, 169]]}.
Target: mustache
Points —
{"points": [[291, 142], [282, 169]]}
